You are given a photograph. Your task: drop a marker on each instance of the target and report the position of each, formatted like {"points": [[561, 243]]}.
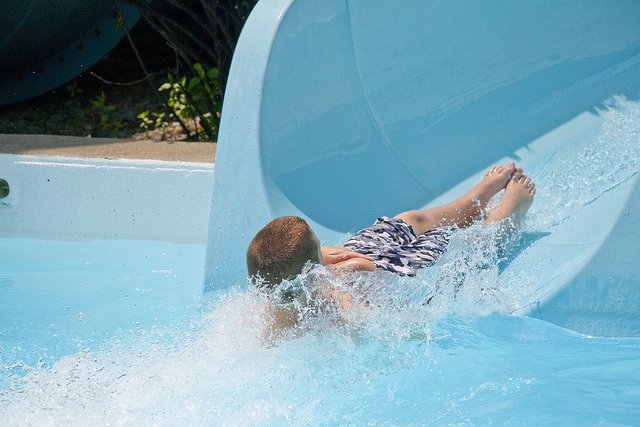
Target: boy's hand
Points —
{"points": [[334, 255], [354, 264]]}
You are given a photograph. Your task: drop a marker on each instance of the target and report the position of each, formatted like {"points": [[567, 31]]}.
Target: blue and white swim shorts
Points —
{"points": [[394, 246]]}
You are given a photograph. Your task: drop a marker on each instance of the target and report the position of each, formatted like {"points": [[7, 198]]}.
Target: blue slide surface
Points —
{"points": [[340, 111]]}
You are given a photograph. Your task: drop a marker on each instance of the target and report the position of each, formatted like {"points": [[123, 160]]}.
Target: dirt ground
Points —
{"points": [[107, 148]]}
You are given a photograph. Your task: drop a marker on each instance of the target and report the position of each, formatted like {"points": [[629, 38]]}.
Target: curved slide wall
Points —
{"points": [[343, 110]]}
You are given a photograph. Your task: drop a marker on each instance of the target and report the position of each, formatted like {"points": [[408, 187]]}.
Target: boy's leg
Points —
{"points": [[463, 211]]}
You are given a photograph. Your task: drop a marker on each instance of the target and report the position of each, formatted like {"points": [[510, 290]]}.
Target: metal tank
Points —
{"points": [[44, 44]]}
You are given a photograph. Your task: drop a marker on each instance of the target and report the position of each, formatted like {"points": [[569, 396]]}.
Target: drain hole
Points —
{"points": [[4, 188]]}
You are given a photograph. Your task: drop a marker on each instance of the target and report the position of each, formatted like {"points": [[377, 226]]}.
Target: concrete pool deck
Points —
{"points": [[107, 148]]}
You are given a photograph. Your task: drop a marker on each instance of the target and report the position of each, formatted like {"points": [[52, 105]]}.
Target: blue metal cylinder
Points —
{"points": [[44, 44]]}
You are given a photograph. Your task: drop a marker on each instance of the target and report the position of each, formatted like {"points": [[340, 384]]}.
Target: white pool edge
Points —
{"points": [[69, 198]]}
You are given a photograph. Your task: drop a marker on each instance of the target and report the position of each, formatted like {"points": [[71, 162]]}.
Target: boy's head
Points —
{"points": [[281, 249]]}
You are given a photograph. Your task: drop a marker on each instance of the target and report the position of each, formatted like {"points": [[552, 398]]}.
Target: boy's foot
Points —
{"points": [[517, 199], [494, 180]]}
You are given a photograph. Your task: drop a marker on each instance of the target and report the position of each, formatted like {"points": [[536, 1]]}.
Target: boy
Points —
{"points": [[403, 244]]}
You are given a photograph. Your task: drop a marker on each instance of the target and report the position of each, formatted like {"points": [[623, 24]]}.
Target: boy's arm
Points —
{"points": [[345, 259], [333, 255], [355, 264]]}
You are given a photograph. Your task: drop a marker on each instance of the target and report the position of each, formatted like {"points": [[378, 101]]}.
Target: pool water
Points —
{"points": [[460, 368], [116, 332], [59, 297]]}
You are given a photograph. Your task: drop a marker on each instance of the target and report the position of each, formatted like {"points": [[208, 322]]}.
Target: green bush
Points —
{"points": [[105, 124], [196, 102], [203, 33]]}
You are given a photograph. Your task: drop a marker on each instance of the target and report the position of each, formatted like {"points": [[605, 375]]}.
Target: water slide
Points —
{"points": [[343, 110], [44, 44]]}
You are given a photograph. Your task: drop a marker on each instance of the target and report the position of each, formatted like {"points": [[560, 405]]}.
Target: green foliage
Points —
{"points": [[203, 34], [196, 102], [152, 120], [104, 123], [74, 92]]}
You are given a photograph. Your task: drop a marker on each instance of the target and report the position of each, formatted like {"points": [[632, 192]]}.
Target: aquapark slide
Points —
{"points": [[343, 110], [44, 44]]}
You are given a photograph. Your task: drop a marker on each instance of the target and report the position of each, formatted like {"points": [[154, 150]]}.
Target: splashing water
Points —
{"points": [[427, 350], [573, 178]]}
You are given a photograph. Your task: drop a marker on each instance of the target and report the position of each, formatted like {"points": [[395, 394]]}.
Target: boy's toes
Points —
{"points": [[510, 167], [507, 168], [517, 174]]}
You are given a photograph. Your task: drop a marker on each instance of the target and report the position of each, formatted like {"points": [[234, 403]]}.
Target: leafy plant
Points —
{"points": [[152, 120], [195, 102], [203, 33], [74, 92], [103, 114]]}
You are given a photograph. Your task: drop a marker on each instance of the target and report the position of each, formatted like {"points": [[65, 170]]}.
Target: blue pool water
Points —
{"points": [[115, 332], [461, 368], [59, 297]]}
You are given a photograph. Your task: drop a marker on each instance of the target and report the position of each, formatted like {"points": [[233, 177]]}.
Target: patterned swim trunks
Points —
{"points": [[394, 246]]}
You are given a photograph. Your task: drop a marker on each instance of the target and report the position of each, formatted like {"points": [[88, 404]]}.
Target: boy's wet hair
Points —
{"points": [[280, 251]]}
